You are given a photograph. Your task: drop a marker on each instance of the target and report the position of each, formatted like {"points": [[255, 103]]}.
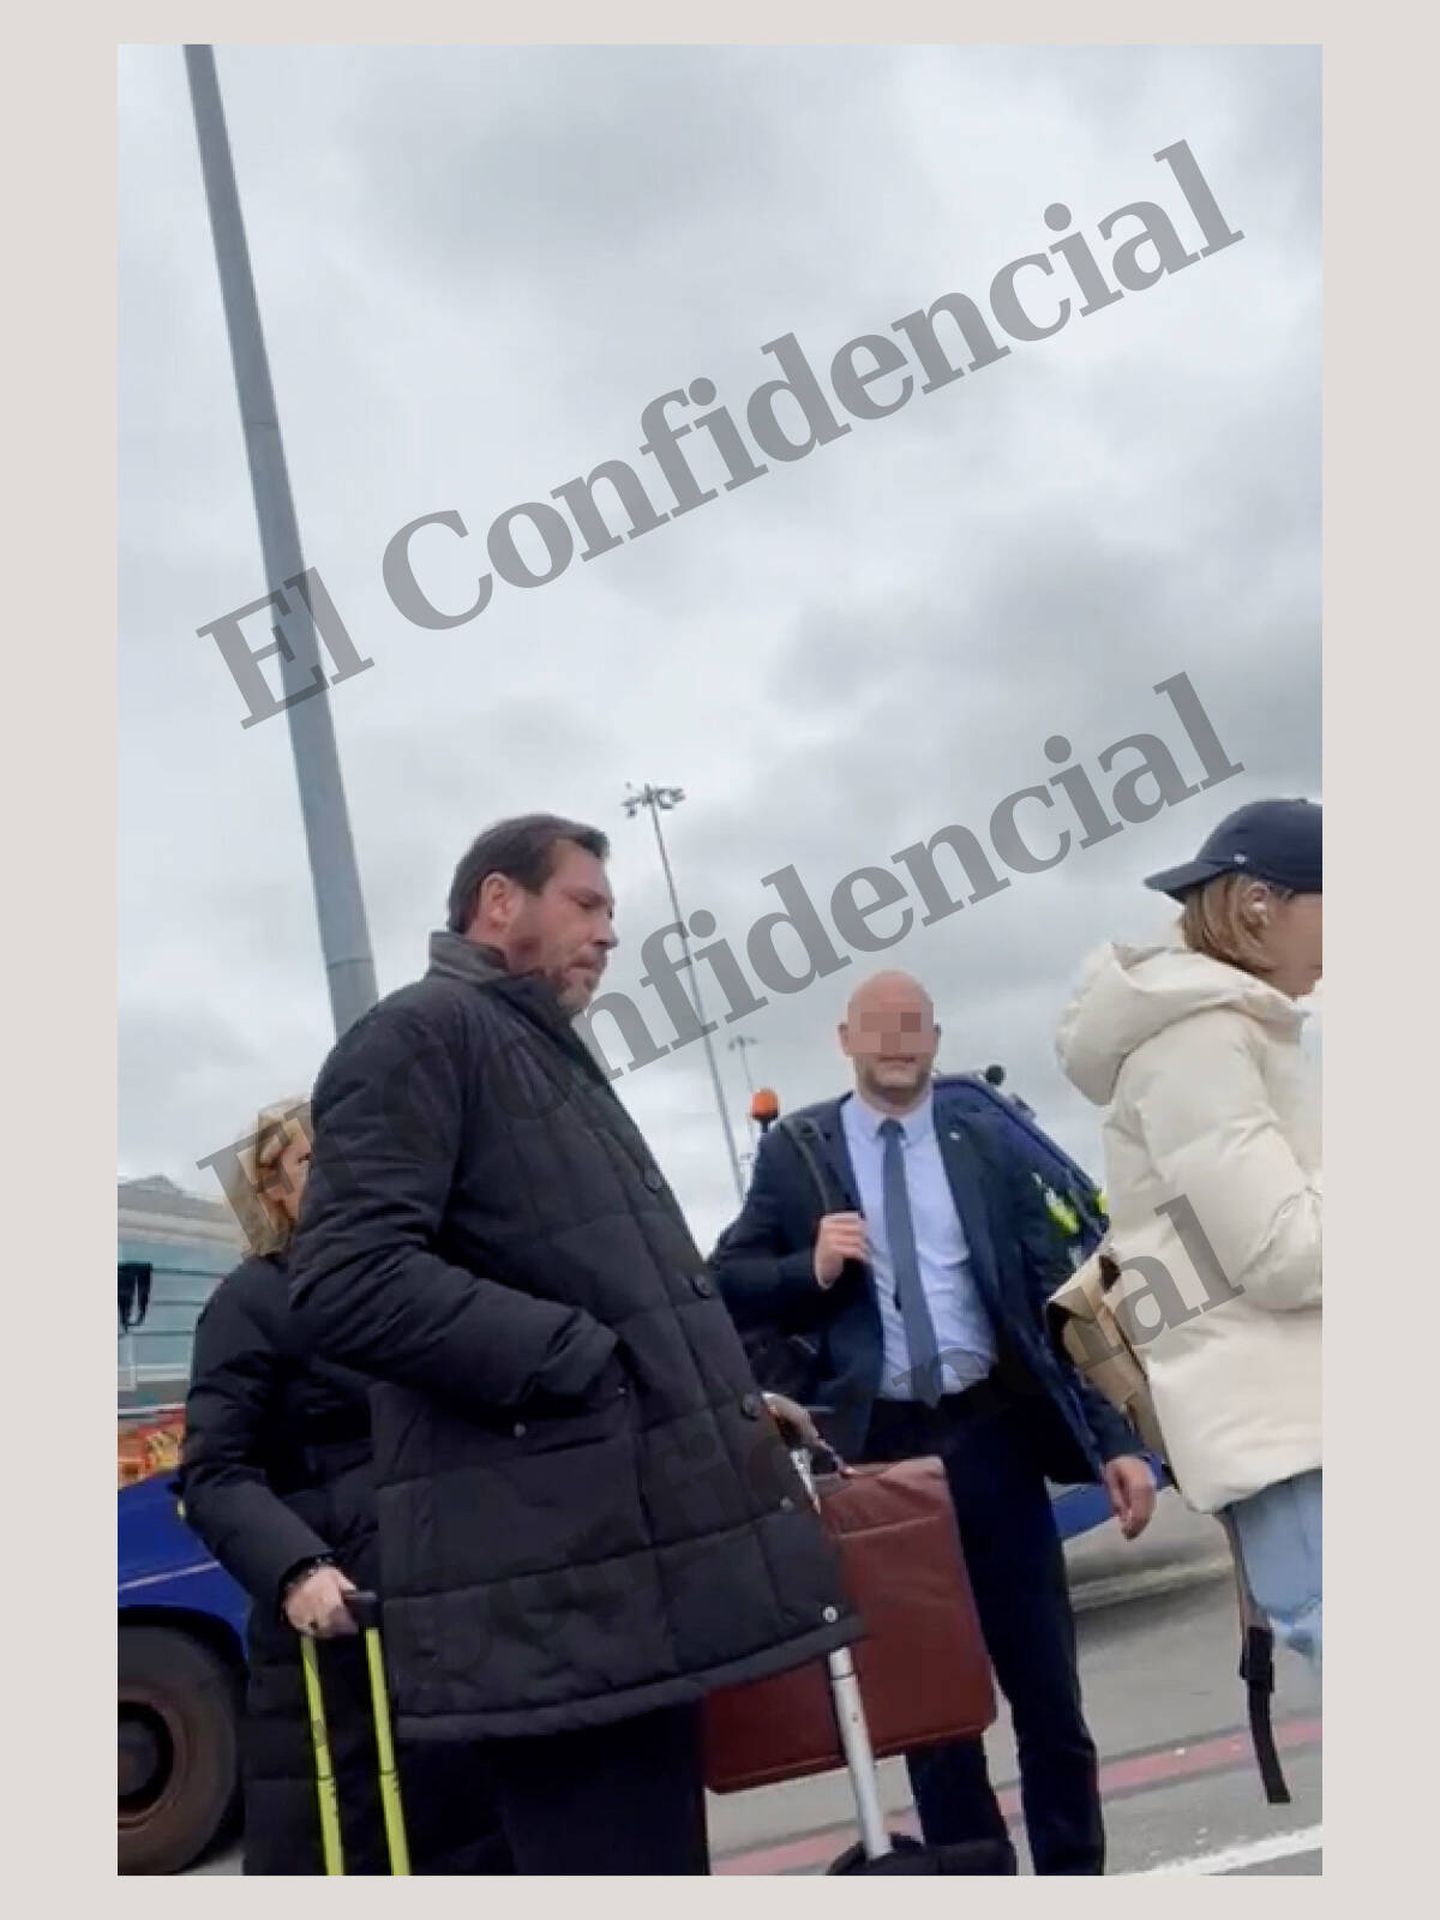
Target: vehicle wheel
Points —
{"points": [[179, 1773]]}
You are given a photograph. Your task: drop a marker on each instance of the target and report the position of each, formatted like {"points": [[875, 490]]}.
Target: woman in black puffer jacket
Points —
{"points": [[277, 1481]]}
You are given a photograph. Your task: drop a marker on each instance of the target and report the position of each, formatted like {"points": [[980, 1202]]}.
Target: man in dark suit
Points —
{"points": [[912, 1248]]}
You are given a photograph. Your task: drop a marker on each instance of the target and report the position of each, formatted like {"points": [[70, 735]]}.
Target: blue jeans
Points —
{"points": [[1279, 1531]]}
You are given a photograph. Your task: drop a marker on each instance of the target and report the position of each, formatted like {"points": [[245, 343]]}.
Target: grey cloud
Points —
{"points": [[177, 1060], [476, 267]]}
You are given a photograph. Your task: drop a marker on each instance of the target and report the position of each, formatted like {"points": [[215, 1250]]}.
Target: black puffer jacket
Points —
{"points": [[585, 1512], [277, 1470]]}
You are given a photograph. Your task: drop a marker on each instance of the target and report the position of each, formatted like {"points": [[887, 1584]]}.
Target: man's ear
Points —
{"points": [[495, 902], [843, 1030]]}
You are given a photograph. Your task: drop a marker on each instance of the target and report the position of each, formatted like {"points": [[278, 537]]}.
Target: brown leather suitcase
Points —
{"points": [[923, 1669]]}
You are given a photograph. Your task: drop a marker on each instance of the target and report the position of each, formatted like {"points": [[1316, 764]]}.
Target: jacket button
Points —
{"points": [[830, 1616], [703, 1285], [654, 1179], [519, 1429], [752, 1406], [787, 1505]]}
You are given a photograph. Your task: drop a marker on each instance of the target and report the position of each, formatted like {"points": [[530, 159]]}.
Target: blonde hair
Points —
{"points": [[1219, 919], [266, 1229]]}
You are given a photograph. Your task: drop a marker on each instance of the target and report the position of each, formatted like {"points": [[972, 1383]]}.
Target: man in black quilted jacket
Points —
{"points": [[587, 1518]]}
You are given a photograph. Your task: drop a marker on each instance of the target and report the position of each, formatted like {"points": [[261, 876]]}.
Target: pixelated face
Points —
{"points": [[891, 1035]]}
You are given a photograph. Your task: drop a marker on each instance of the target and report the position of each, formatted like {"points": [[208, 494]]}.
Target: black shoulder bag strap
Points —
{"points": [[1257, 1636], [1257, 1670], [804, 1134]]}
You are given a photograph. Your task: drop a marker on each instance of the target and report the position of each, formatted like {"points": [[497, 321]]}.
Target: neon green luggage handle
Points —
{"points": [[365, 1607]]}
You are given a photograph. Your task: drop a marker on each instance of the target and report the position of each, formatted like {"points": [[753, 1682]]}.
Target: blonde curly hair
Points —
{"points": [[266, 1228]]}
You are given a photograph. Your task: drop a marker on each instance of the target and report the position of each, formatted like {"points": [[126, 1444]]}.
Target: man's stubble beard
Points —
{"points": [[573, 999]]}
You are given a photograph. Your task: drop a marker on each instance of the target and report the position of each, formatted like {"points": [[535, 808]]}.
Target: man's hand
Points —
{"points": [[316, 1604], [1131, 1486], [797, 1429], [841, 1237]]}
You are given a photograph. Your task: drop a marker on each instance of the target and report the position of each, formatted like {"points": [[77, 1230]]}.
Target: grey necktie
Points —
{"points": [[914, 1307]]}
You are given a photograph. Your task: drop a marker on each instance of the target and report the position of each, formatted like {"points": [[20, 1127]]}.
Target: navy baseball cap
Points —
{"points": [[1274, 840]]}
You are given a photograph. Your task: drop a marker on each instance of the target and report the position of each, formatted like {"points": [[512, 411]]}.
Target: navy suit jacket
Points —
{"points": [[762, 1265]]}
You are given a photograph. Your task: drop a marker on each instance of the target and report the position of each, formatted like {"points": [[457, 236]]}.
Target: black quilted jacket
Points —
{"points": [[585, 1512], [277, 1470]]}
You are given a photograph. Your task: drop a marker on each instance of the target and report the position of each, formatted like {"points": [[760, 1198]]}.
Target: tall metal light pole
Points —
{"points": [[658, 800], [334, 876]]}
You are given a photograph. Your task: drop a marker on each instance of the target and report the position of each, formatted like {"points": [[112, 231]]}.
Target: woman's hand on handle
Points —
{"points": [[316, 1605]]}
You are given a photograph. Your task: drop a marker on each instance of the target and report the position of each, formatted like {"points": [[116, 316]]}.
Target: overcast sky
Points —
{"points": [[475, 268]]}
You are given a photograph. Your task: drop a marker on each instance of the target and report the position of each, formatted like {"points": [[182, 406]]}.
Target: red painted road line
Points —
{"points": [[1130, 1774]]}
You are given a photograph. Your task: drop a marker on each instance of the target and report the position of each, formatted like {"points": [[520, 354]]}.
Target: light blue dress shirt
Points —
{"points": [[963, 1331]]}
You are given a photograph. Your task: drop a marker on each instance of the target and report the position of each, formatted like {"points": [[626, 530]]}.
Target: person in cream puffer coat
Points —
{"points": [[1213, 1180]]}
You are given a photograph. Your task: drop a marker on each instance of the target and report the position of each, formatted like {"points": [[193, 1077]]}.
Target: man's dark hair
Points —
{"points": [[523, 850]]}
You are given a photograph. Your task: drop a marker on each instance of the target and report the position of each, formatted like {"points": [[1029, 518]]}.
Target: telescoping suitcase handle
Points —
{"points": [[850, 1718], [365, 1609]]}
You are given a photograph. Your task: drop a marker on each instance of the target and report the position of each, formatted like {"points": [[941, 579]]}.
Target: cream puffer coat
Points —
{"points": [[1212, 1165]]}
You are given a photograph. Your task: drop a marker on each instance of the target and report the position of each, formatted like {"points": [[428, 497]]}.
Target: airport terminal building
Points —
{"points": [[174, 1249]]}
